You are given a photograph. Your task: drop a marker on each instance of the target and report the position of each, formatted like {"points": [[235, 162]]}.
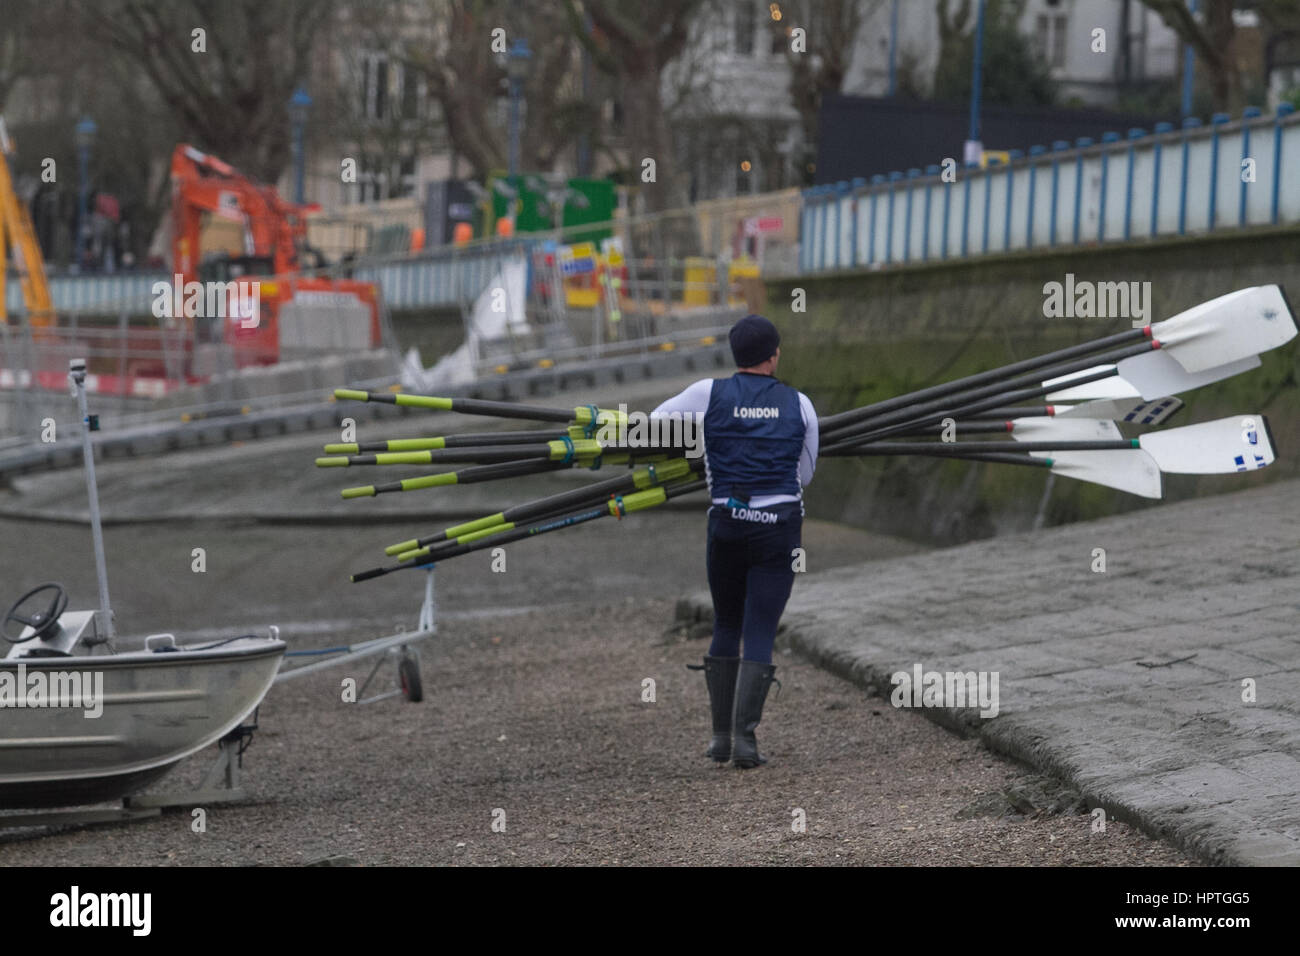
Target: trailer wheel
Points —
{"points": [[408, 672]]}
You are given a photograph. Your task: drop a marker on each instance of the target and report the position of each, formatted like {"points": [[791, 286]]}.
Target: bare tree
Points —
{"points": [[72, 75], [28, 40], [634, 41], [451, 44], [229, 86], [1213, 39], [820, 63]]}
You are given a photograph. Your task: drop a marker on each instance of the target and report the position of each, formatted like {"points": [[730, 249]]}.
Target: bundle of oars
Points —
{"points": [[1129, 377]]}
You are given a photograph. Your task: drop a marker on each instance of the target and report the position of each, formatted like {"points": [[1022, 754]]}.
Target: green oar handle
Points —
{"points": [[643, 477], [566, 450], [663, 493], [466, 476], [444, 441], [838, 421], [395, 398], [477, 406], [616, 505]]}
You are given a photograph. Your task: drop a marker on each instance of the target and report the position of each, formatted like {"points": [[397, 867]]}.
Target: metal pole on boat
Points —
{"points": [[77, 374]]}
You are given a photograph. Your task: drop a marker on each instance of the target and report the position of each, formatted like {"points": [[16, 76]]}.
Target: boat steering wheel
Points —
{"points": [[42, 622]]}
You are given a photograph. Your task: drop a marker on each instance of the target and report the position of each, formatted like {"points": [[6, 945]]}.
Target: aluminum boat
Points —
{"points": [[80, 724], [86, 717]]}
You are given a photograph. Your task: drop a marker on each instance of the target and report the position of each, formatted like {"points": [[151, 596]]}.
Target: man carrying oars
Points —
{"points": [[760, 446]]}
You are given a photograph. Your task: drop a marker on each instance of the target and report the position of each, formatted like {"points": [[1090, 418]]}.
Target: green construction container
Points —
{"points": [[532, 215]]}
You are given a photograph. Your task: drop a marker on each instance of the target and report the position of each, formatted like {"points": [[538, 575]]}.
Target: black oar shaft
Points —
{"points": [[1005, 413], [950, 449], [959, 428], [835, 422], [466, 440], [1021, 395], [465, 476], [1001, 393], [479, 455], [467, 406], [479, 406], [549, 524], [632, 481]]}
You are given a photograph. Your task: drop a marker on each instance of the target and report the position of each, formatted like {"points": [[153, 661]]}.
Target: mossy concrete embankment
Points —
{"points": [[871, 335]]}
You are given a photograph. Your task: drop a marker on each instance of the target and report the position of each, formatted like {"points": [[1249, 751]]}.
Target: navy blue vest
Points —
{"points": [[753, 436]]}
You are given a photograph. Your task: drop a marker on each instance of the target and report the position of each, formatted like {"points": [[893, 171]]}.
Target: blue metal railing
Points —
{"points": [[1169, 182], [1065, 194]]}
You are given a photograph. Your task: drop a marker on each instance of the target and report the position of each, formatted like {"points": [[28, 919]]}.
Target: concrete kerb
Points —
{"points": [[1177, 820]]}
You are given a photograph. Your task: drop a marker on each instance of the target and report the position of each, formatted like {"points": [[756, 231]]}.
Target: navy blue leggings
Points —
{"points": [[750, 575]]}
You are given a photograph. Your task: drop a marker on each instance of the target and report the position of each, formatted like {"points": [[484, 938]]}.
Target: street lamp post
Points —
{"points": [[299, 104], [1189, 69], [516, 70], [893, 49], [85, 139], [974, 147]]}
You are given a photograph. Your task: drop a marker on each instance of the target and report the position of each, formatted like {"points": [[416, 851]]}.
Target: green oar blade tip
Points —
{"points": [[395, 549]]}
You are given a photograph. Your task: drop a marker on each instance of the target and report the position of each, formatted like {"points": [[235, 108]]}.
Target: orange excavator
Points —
{"points": [[266, 245], [16, 233]]}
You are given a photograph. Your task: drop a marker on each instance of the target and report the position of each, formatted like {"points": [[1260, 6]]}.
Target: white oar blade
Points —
{"points": [[1070, 429], [1105, 388], [1231, 327], [1157, 375], [1239, 443], [1131, 410], [1131, 470]]}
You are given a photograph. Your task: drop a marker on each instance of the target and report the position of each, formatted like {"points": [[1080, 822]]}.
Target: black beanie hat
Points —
{"points": [[753, 341]]}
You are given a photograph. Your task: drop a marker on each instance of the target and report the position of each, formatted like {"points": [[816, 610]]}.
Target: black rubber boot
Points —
{"points": [[751, 691], [720, 677]]}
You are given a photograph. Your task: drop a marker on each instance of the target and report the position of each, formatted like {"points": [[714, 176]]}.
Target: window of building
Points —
{"points": [[410, 93], [1058, 40], [375, 101], [1051, 33], [381, 88], [380, 178], [746, 20]]}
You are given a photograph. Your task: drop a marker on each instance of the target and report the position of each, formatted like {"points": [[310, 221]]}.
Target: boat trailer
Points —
{"points": [[222, 782]]}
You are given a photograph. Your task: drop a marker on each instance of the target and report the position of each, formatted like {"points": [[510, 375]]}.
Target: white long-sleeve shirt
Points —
{"points": [[694, 400]]}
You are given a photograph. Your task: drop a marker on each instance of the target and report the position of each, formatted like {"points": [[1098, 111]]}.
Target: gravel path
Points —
{"points": [[533, 694], [542, 717]]}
